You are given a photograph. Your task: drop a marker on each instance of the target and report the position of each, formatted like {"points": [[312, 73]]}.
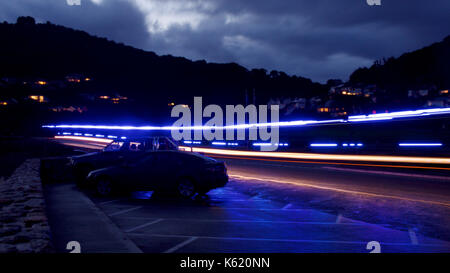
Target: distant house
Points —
{"points": [[334, 108], [71, 109], [41, 82], [346, 90], [114, 99], [38, 98], [444, 92], [438, 102], [74, 78], [77, 78]]}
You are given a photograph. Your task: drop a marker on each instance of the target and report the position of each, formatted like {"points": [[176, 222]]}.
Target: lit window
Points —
{"points": [[37, 98]]}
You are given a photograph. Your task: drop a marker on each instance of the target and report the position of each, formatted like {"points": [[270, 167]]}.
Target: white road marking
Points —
{"points": [[262, 209], [144, 225], [413, 237], [338, 218], [110, 201], [287, 206], [277, 240], [389, 173], [124, 211], [240, 200], [111, 226], [254, 221], [175, 248], [255, 198]]}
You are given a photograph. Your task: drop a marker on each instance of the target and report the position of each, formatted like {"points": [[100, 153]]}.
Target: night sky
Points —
{"points": [[319, 39]]}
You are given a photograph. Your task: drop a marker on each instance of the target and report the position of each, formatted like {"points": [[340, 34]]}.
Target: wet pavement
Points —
{"points": [[228, 220]]}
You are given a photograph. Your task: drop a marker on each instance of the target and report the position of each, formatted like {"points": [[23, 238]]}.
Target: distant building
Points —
{"points": [[38, 98], [71, 109], [418, 93], [77, 78], [444, 92], [346, 90], [438, 102]]}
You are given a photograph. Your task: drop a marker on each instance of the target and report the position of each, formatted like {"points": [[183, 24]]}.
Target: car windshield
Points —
{"points": [[114, 146]]}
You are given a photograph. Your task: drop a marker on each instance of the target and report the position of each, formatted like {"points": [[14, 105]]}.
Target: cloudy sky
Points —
{"points": [[319, 39]]}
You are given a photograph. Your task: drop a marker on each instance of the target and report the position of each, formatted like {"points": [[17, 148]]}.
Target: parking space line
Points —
{"points": [[175, 248], [124, 211], [144, 225], [339, 218], [287, 206], [251, 221], [241, 200], [413, 237], [264, 209], [255, 197], [110, 201], [275, 240]]}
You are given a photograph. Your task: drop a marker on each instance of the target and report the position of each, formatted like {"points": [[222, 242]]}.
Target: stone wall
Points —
{"points": [[23, 223]]}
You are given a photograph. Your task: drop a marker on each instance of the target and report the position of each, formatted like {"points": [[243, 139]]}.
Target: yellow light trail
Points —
{"points": [[93, 139], [335, 163], [311, 185], [311, 156]]}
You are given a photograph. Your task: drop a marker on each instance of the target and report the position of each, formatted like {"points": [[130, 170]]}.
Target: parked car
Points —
{"points": [[115, 153], [179, 172]]}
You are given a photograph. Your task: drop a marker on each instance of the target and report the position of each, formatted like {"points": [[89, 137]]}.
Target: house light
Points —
{"points": [[37, 98]]}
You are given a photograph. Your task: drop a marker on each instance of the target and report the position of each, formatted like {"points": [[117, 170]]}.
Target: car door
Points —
{"points": [[166, 173], [145, 172]]}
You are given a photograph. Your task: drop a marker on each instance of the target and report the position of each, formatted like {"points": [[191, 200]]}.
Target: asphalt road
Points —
{"points": [[426, 186]]}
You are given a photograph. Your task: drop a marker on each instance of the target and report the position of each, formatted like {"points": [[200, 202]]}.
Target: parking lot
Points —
{"points": [[265, 207], [230, 221]]}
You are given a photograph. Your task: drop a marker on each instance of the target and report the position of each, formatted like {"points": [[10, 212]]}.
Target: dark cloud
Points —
{"points": [[319, 39]]}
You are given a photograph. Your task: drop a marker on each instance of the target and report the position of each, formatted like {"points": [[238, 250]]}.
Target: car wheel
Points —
{"points": [[186, 188], [104, 186]]}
